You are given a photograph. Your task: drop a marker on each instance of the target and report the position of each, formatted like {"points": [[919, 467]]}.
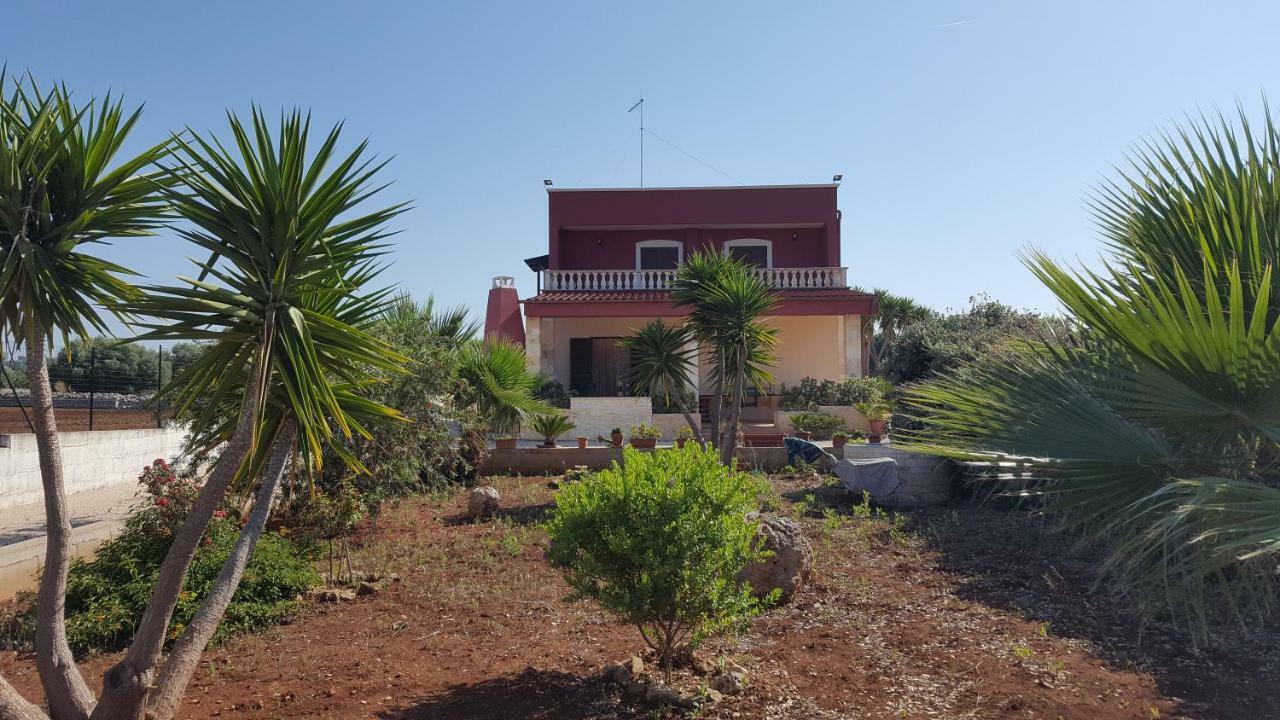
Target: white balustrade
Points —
{"points": [[606, 280]]}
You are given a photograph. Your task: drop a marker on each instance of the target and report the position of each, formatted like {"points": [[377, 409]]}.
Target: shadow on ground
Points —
{"points": [[1013, 561], [532, 694]]}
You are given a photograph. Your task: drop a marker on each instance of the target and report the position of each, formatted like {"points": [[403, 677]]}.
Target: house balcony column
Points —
{"points": [[693, 374]]}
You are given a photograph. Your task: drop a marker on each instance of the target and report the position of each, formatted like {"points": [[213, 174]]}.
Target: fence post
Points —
{"points": [[93, 380], [159, 383]]}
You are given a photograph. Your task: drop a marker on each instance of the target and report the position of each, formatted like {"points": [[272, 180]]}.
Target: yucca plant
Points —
{"points": [[284, 314], [661, 361], [727, 304], [1156, 432], [63, 187]]}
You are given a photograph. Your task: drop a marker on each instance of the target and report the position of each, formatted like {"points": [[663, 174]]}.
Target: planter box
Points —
{"points": [[924, 480], [773, 439], [853, 420], [644, 443]]}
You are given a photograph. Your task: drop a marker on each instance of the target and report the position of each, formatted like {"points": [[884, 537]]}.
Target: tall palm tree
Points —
{"points": [[448, 327], [1159, 432], [499, 385], [63, 186], [894, 314], [660, 365], [727, 305], [285, 320]]}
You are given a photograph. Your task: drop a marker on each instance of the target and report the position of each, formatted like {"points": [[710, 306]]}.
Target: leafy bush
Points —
{"points": [[811, 393], [645, 432], [107, 595], [820, 425], [551, 392], [659, 541], [944, 342]]}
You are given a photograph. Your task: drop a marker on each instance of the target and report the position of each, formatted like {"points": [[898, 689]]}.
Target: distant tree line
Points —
{"points": [[104, 365]]}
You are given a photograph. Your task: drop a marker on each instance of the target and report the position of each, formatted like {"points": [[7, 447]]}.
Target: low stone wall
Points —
{"points": [[598, 415], [923, 479], [90, 460]]}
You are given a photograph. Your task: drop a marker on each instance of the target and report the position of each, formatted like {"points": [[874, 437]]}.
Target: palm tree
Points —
{"points": [[660, 365], [1158, 432], [499, 385], [288, 348], [894, 313], [727, 304], [410, 319], [63, 186]]}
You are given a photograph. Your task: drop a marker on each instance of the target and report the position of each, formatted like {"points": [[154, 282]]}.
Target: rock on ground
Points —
{"points": [[483, 502], [789, 556]]}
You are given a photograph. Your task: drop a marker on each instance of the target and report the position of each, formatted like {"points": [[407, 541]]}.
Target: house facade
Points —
{"points": [[611, 257]]}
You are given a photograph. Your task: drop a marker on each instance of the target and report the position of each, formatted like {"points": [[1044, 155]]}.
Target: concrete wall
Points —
{"points": [[548, 461], [90, 460], [808, 346], [924, 480], [669, 423], [598, 415]]}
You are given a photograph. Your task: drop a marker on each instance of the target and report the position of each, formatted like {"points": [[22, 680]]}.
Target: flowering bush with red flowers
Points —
{"points": [[167, 500]]}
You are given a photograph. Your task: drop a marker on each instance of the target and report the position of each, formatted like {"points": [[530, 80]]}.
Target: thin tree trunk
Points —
{"points": [[731, 432], [185, 655], [688, 416], [717, 402], [126, 684], [14, 707], [67, 693]]}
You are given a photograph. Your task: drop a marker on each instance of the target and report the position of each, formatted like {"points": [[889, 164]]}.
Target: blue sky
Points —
{"points": [[965, 130]]}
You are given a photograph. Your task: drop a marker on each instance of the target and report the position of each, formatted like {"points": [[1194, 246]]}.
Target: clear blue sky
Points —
{"points": [[964, 130]]}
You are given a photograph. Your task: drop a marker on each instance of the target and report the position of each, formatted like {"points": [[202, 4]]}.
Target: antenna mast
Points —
{"points": [[640, 104]]}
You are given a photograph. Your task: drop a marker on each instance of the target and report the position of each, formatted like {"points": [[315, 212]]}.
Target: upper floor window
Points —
{"points": [[751, 251], [659, 254]]}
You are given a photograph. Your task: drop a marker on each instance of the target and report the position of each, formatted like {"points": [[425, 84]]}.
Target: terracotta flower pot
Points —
{"points": [[506, 443], [616, 438], [582, 443], [680, 442], [644, 443], [838, 442], [876, 427]]}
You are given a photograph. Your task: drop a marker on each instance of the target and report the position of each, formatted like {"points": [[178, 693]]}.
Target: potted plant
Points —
{"points": [[615, 436], [816, 425], [877, 415], [506, 442], [644, 436], [551, 427], [582, 442], [838, 439], [683, 435]]}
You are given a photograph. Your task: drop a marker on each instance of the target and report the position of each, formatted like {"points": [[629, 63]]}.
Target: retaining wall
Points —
{"points": [[90, 460], [853, 420], [598, 415], [553, 461], [923, 479]]}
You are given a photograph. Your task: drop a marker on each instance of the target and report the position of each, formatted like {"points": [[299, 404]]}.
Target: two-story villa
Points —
{"points": [[612, 254]]}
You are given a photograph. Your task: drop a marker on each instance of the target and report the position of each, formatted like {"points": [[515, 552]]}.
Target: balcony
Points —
{"points": [[596, 280]]}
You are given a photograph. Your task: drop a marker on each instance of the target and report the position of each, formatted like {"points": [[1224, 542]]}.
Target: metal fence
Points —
{"points": [[99, 389]]}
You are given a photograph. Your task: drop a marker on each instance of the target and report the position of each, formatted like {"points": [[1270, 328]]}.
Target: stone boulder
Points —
{"points": [[788, 560], [483, 502]]}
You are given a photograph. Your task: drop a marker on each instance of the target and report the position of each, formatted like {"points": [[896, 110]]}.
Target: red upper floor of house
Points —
{"points": [[624, 245]]}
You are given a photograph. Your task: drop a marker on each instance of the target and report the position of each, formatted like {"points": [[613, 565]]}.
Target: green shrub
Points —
{"points": [[819, 425], [811, 393], [551, 427], [645, 432], [107, 595], [659, 541]]}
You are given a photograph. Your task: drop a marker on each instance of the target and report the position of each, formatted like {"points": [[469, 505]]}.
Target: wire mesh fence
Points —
{"points": [[96, 386]]}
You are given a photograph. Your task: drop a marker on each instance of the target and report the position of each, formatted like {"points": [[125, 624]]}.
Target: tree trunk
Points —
{"points": [[185, 655], [688, 416], [14, 707], [126, 684], [717, 402], [730, 444], [68, 695]]}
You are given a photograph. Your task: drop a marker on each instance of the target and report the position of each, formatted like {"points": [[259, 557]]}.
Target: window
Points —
{"points": [[659, 254], [753, 252]]}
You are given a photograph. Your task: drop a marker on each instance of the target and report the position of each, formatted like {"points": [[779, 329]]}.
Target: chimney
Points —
{"points": [[502, 317]]}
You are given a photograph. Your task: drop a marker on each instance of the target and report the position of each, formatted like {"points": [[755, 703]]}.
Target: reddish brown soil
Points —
{"points": [[960, 613], [69, 419]]}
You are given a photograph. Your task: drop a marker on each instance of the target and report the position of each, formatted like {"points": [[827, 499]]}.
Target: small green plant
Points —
{"points": [[1023, 651], [659, 541], [645, 432], [551, 427], [819, 425], [684, 432], [879, 411]]}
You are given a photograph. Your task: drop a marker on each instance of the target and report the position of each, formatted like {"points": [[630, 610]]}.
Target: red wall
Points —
{"points": [[598, 229]]}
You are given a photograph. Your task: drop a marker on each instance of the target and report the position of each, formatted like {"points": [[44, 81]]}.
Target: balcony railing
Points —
{"points": [[782, 278]]}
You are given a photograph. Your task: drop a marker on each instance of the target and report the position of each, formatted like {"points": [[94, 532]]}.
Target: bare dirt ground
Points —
{"points": [[962, 612]]}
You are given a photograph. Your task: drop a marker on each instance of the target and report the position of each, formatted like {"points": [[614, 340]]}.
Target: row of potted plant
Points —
{"points": [[552, 427]]}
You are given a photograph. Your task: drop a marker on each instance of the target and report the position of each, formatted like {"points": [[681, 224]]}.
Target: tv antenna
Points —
{"points": [[640, 104]]}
